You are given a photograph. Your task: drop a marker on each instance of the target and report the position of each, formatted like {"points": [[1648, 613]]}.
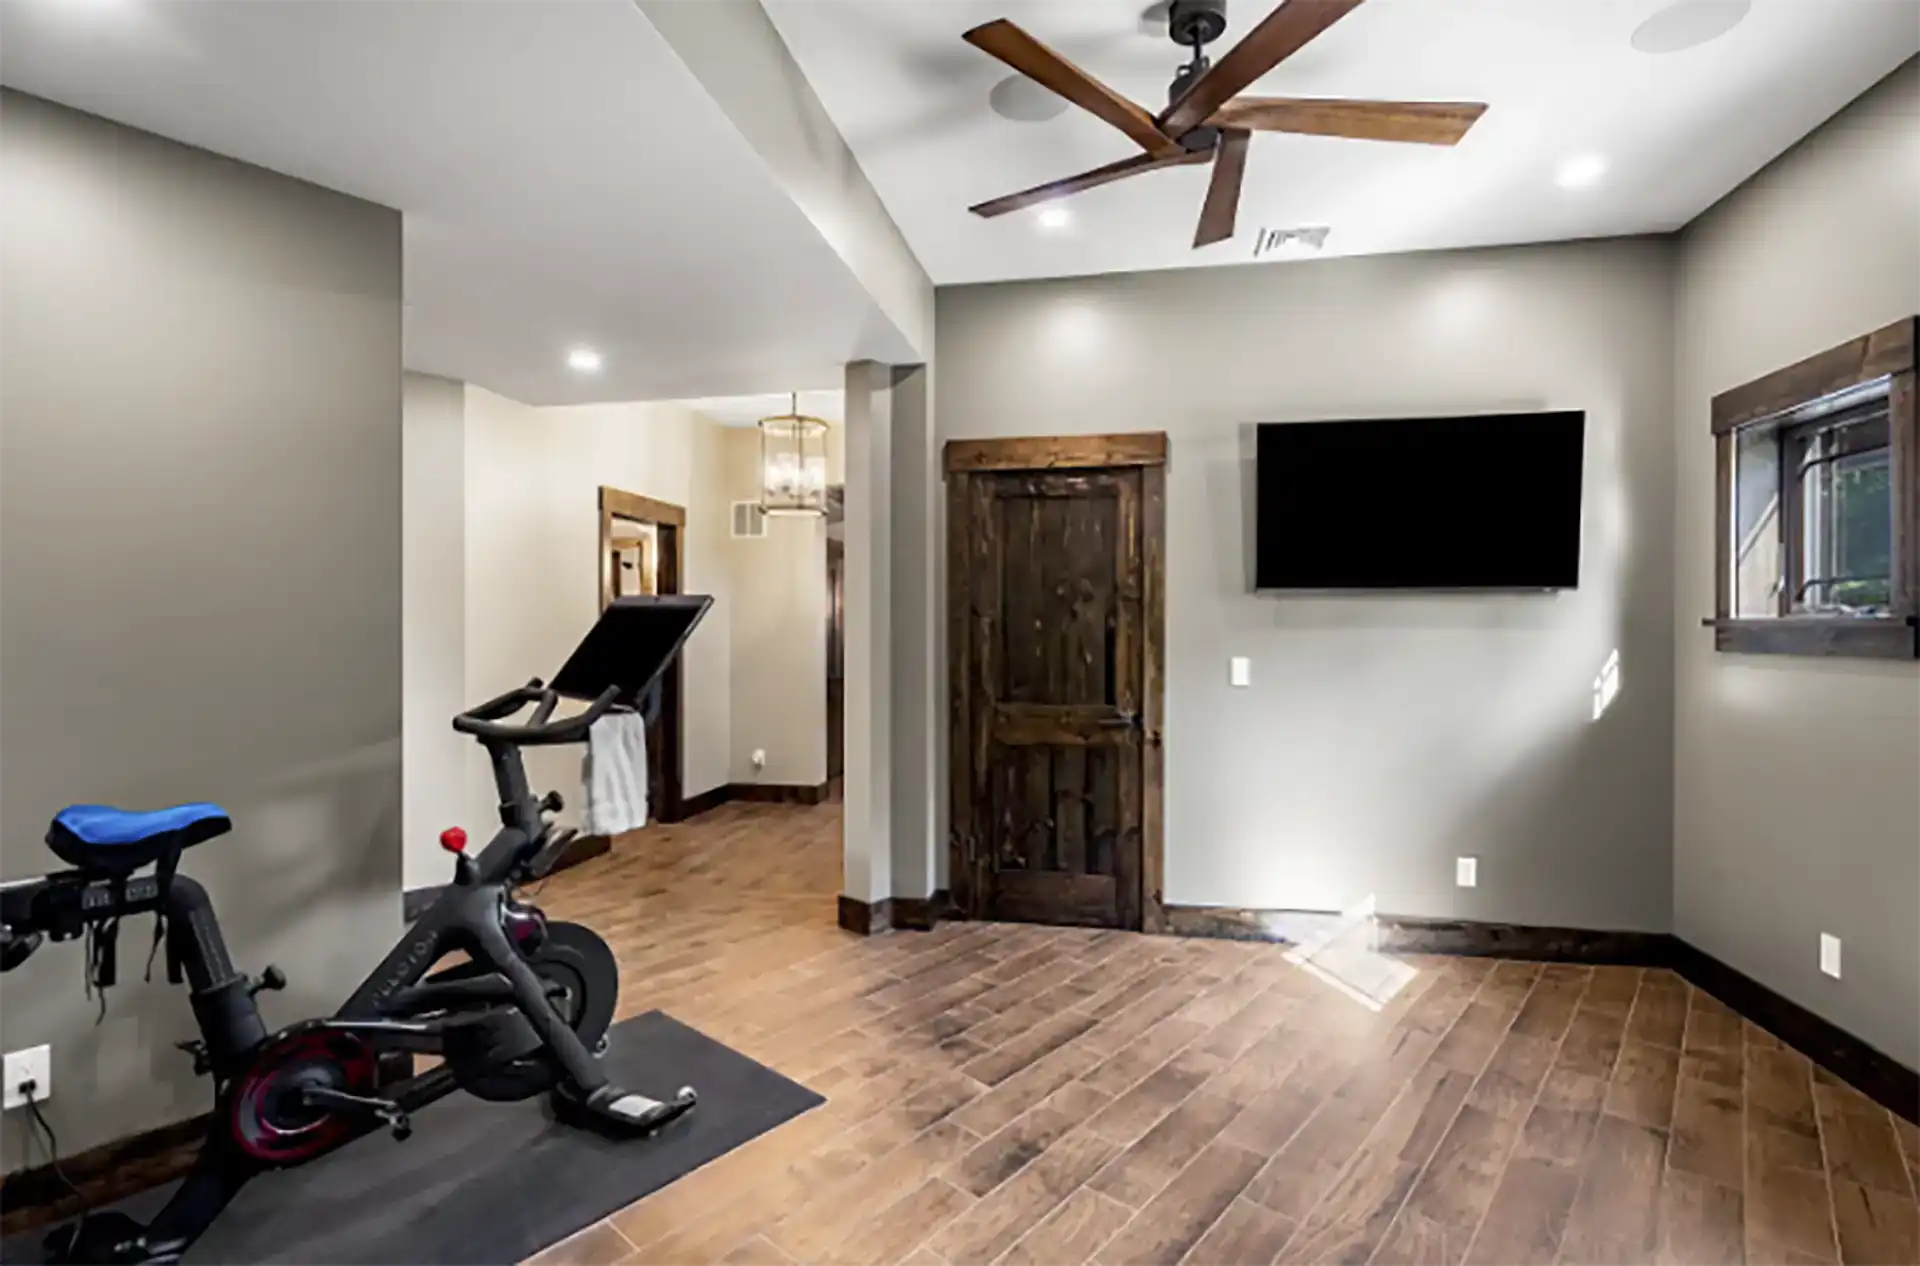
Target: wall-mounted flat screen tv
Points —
{"points": [[1489, 501]]}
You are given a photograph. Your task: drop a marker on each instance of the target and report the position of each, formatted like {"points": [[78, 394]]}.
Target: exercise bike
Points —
{"points": [[525, 1014]]}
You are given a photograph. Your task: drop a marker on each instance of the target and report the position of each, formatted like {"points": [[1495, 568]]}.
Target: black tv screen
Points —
{"points": [[1490, 501]]}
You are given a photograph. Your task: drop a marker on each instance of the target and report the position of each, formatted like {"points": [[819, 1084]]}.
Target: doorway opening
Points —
{"points": [[643, 550]]}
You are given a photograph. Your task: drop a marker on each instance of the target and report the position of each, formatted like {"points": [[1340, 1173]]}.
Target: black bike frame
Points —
{"points": [[469, 915]]}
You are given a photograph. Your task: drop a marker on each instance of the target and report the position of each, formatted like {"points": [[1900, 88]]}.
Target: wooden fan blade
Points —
{"points": [[1004, 40], [1421, 122], [1089, 180], [1223, 191], [1280, 35]]}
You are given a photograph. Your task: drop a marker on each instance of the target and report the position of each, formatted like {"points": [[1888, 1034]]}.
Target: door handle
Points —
{"points": [[1125, 721]]}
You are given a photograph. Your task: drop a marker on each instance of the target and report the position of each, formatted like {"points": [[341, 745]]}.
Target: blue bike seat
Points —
{"points": [[97, 837]]}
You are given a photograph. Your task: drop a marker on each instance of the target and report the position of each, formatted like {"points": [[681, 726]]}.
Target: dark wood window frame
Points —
{"points": [[1774, 405], [1147, 450]]}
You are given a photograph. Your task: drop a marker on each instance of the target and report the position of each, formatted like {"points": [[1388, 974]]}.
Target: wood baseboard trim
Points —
{"points": [[706, 801], [755, 793], [866, 918], [779, 793], [112, 1171], [1875, 1074], [922, 914], [1406, 934]]}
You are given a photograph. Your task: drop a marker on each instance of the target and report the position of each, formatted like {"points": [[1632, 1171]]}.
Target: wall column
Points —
{"points": [[915, 641], [867, 875]]}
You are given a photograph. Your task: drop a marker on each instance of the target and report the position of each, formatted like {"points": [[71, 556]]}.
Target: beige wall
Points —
{"points": [[210, 353], [1383, 734], [1797, 798], [433, 610], [532, 561], [778, 630]]}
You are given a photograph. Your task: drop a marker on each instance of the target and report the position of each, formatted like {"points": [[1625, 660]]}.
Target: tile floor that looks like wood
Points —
{"points": [[1044, 1096]]}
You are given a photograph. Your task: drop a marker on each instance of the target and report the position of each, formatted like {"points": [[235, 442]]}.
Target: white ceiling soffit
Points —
{"points": [[748, 410], [566, 181], [1561, 79]]}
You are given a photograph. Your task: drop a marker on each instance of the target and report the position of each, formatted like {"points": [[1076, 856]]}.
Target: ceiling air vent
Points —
{"points": [[1290, 242], [749, 520]]}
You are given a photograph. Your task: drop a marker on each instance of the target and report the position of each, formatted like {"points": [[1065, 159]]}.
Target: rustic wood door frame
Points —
{"points": [[964, 460], [669, 521]]}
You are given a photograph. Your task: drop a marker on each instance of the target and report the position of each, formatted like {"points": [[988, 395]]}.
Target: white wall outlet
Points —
{"points": [[1240, 671], [1830, 955], [759, 758], [34, 1064], [1466, 872]]}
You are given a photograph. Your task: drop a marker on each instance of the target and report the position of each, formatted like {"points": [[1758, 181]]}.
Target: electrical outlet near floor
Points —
{"points": [[1830, 955], [1466, 872], [34, 1064]]}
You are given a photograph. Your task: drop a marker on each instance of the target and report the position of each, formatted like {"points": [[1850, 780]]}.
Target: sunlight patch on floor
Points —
{"points": [[1344, 957]]}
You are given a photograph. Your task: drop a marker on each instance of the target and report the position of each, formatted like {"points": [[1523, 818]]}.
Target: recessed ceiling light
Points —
{"points": [[1581, 173], [1689, 24], [584, 360], [1055, 218]]}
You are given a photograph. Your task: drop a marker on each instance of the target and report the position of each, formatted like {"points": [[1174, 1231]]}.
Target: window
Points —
{"points": [[1839, 516], [1818, 505]]}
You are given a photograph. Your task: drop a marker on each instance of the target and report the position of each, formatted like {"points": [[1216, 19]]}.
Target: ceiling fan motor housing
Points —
{"points": [[1191, 22]]}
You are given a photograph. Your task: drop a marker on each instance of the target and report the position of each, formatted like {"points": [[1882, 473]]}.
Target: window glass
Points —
{"points": [[1844, 550], [1756, 542]]}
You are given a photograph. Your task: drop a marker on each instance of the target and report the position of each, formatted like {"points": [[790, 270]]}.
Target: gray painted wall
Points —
{"points": [[1383, 735], [1798, 791], [200, 556]]}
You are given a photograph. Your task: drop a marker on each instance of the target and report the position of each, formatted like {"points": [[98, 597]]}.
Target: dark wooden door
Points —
{"points": [[1052, 725]]}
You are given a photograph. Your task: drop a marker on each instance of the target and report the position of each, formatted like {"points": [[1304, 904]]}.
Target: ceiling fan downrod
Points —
{"points": [[1195, 24]]}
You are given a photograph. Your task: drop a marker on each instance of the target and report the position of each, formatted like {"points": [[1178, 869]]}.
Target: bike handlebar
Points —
{"points": [[484, 722]]}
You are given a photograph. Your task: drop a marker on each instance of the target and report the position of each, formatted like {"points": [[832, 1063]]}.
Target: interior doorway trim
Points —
{"points": [[966, 458], [615, 504], [670, 522]]}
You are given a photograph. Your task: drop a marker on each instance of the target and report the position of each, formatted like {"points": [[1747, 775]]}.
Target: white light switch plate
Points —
{"points": [[34, 1063], [1466, 872], [1830, 955], [1240, 671]]}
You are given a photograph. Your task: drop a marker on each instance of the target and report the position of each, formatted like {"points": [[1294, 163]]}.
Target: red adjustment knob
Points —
{"points": [[454, 840]]}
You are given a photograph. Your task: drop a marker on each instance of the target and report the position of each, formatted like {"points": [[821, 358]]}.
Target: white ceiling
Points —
{"points": [[748, 410], [1560, 77], [566, 181]]}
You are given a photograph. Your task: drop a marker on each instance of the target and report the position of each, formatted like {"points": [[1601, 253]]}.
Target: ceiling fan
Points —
{"points": [[1206, 120]]}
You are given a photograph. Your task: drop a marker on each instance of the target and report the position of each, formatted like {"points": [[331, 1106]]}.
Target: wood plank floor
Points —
{"points": [[1014, 1094]]}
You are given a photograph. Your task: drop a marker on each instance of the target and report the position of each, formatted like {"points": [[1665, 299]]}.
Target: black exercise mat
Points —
{"points": [[492, 1182]]}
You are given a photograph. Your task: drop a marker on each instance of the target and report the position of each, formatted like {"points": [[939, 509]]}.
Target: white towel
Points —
{"points": [[614, 775]]}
